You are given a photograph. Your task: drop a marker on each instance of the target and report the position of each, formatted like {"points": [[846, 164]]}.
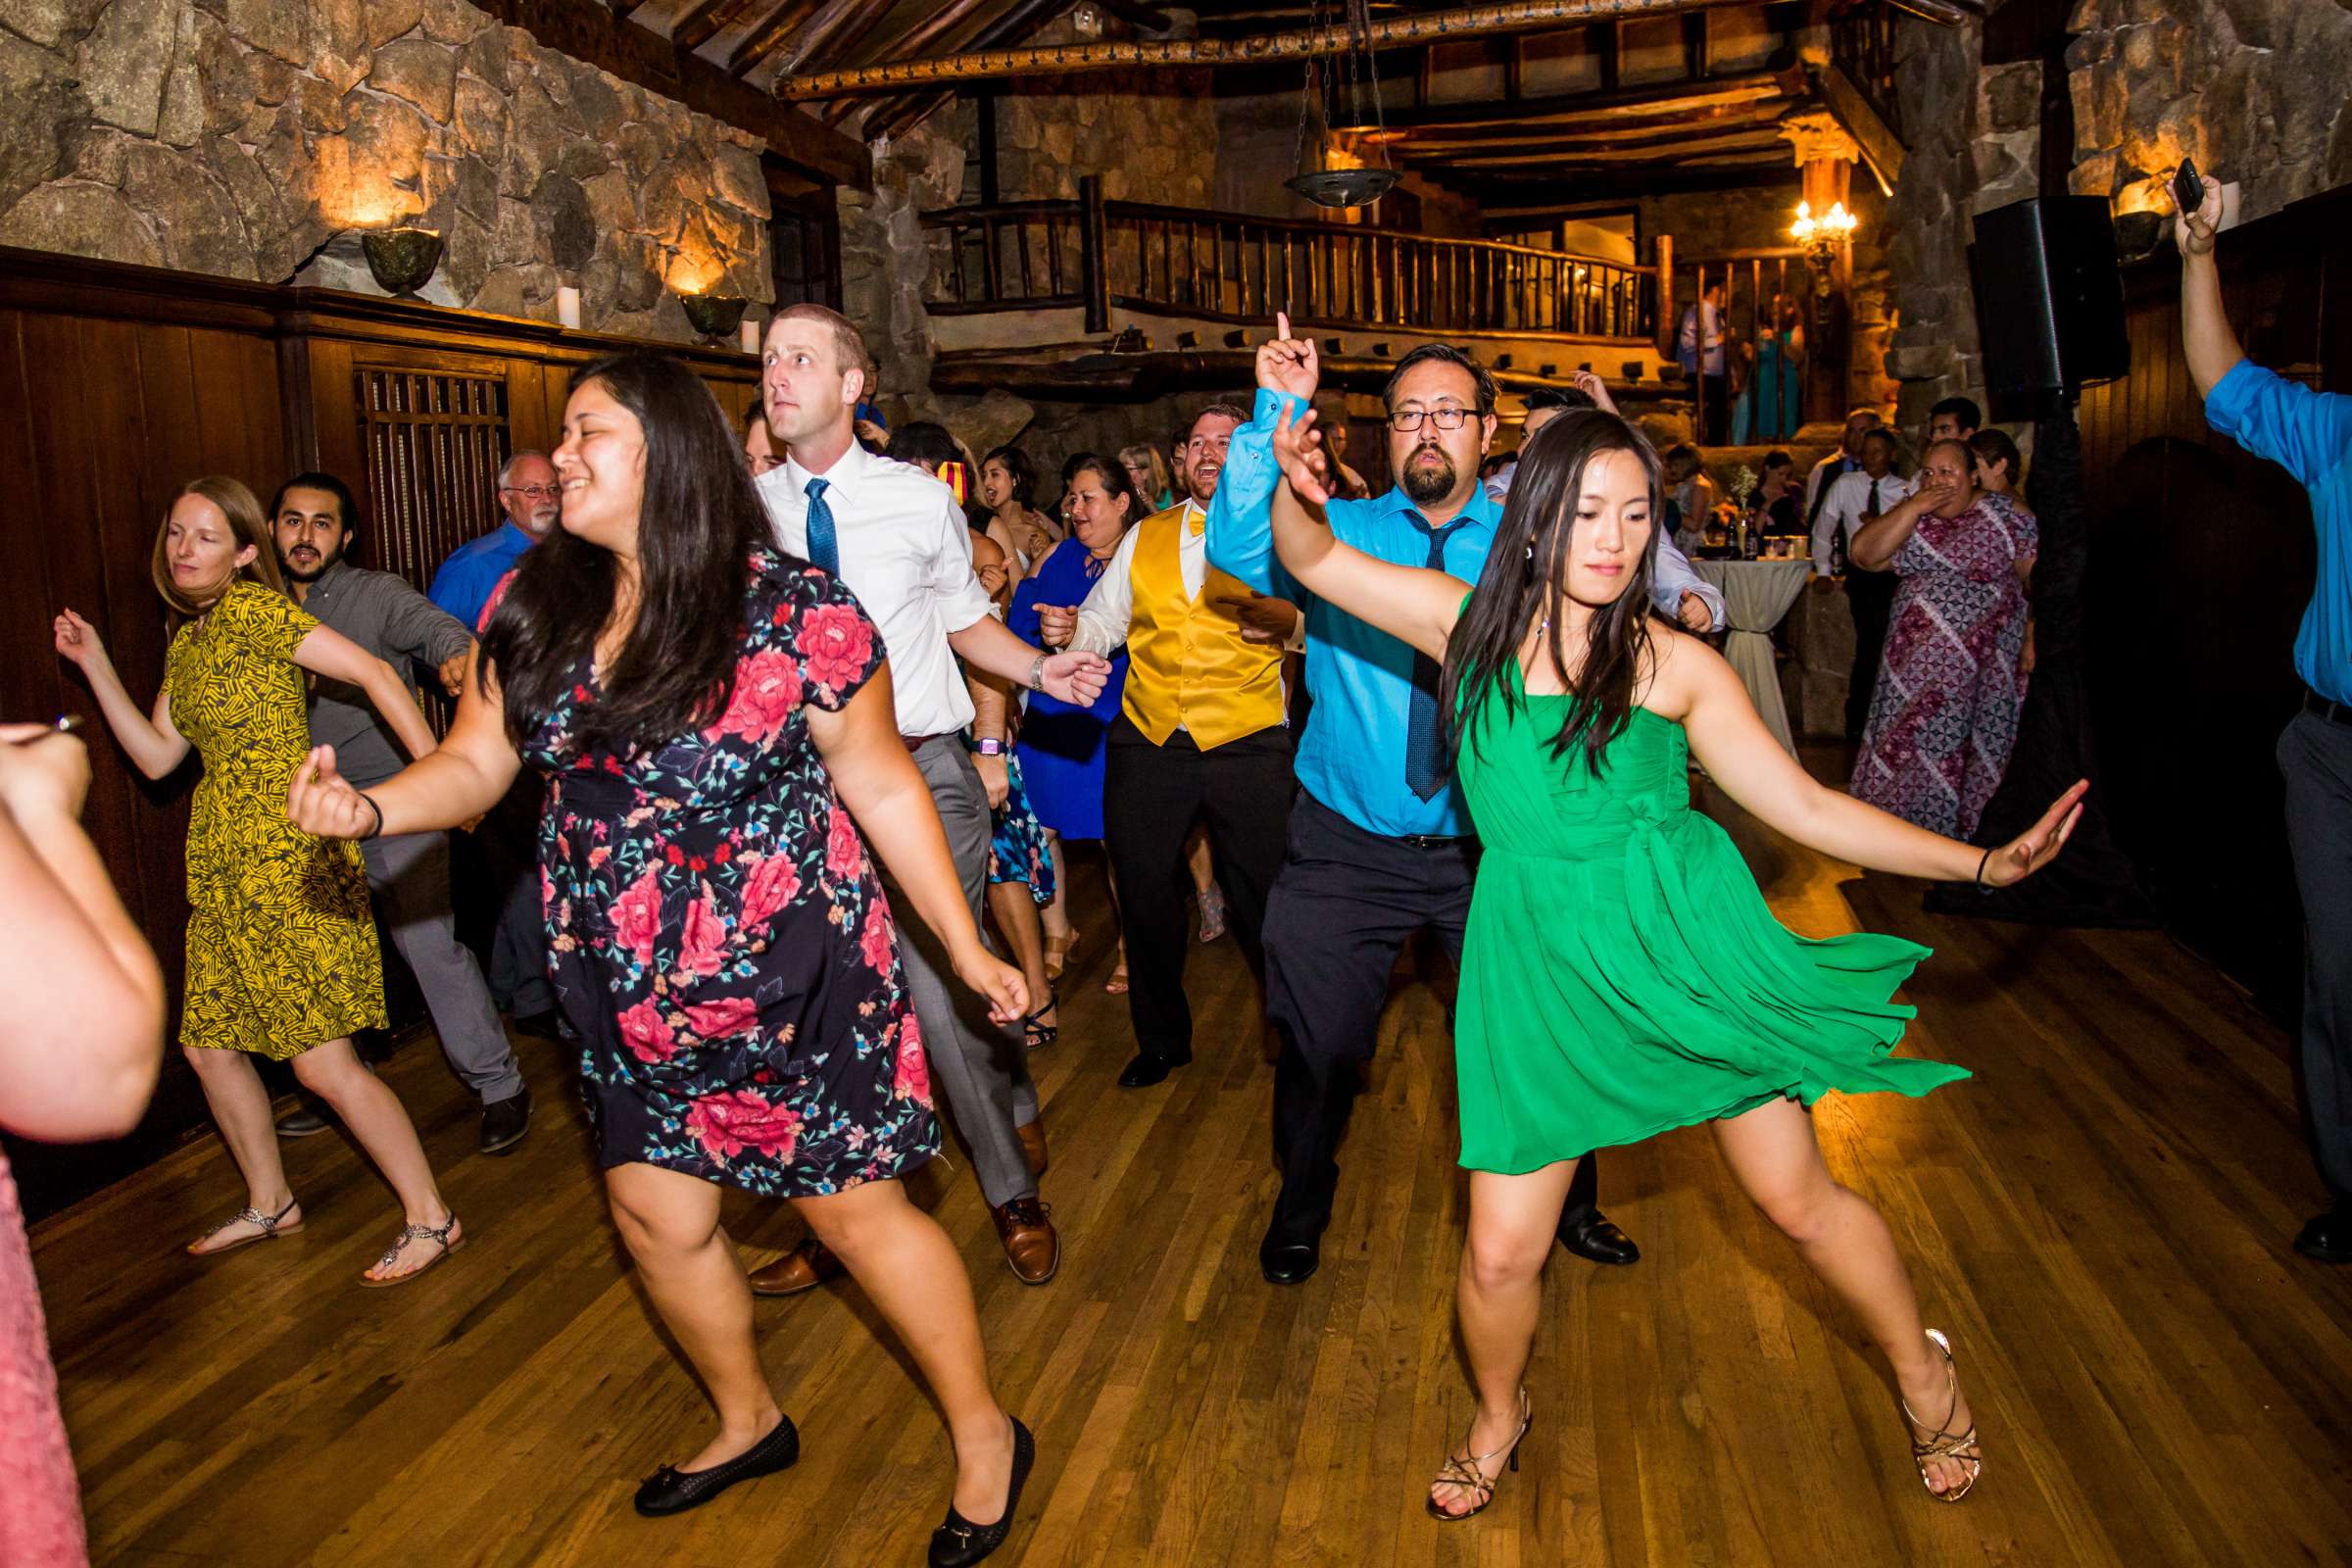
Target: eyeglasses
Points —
{"points": [[537, 491], [1404, 422]]}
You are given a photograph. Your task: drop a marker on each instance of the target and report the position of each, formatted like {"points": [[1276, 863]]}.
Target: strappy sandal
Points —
{"points": [[1116, 985], [1057, 953], [1212, 912], [1945, 1443], [1468, 1471], [1042, 1035], [272, 1226], [438, 1234]]}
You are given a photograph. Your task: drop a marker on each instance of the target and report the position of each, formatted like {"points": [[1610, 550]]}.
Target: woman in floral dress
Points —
{"points": [[718, 934], [1952, 680]]}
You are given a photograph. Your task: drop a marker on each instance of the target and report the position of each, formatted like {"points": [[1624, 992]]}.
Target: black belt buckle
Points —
{"points": [[2334, 713], [1433, 841]]}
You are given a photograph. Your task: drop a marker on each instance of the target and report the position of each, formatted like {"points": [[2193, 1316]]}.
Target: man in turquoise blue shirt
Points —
{"points": [[1380, 841], [2308, 434]]}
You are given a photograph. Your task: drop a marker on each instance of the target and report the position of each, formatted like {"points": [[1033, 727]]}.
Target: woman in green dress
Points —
{"points": [[1623, 974], [281, 953]]}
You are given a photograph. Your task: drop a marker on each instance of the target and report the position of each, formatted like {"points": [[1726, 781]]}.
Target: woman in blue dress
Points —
{"points": [[1062, 747], [1777, 387]]}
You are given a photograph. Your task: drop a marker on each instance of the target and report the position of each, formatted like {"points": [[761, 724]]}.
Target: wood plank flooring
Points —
{"points": [[2099, 1218]]}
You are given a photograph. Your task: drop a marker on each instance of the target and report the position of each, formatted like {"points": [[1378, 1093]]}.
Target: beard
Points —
{"points": [[297, 572], [1428, 484]]}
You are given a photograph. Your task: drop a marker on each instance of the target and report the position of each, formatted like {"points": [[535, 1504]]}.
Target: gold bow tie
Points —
{"points": [[1198, 521]]}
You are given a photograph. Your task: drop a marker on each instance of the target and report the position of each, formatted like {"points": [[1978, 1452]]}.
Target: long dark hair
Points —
{"points": [[1522, 584], [698, 524]]}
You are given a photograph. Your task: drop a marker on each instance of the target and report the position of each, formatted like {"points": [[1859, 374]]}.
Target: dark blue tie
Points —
{"points": [[1424, 755], [822, 549]]}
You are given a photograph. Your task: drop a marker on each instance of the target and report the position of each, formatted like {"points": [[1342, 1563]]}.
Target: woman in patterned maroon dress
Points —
{"points": [[718, 934], [1952, 682]]}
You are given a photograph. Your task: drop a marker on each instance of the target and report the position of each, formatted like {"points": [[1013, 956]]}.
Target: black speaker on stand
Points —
{"points": [[2050, 302]]}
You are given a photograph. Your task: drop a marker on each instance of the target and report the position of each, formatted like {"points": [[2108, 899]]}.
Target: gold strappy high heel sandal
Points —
{"points": [[1945, 1443], [1469, 1473]]}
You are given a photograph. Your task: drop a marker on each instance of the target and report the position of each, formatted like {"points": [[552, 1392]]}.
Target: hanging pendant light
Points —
{"points": [[1322, 178]]}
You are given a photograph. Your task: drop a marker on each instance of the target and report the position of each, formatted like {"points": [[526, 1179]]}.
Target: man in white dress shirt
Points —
{"points": [[896, 537], [1850, 502], [1200, 734]]}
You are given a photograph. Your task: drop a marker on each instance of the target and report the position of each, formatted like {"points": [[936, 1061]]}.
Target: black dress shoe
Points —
{"points": [[2326, 1238], [668, 1490], [545, 1025], [505, 1121], [1285, 1261], [1591, 1236], [1146, 1069], [959, 1542], [301, 1122]]}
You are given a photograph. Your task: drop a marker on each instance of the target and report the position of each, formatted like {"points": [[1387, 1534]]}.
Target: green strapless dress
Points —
{"points": [[1622, 973]]}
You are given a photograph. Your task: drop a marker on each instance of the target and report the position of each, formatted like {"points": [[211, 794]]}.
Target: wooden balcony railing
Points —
{"points": [[1022, 256]]}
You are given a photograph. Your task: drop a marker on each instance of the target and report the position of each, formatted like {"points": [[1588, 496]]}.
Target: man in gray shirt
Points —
{"points": [[314, 520]]}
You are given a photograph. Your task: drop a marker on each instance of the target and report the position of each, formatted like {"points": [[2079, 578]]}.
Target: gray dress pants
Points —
{"points": [[978, 1066], [410, 873], [2314, 754]]}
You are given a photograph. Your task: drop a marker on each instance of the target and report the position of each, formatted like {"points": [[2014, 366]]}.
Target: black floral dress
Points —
{"points": [[717, 935]]}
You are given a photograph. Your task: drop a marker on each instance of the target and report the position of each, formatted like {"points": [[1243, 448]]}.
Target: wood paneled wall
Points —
{"points": [[2202, 560], [117, 385]]}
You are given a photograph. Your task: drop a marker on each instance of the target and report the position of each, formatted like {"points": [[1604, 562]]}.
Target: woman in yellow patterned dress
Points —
{"points": [[281, 953]]}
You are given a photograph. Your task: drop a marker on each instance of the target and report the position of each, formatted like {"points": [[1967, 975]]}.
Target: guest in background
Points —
{"points": [[1743, 359], [507, 835], [2001, 469], [281, 954], [1691, 497], [1778, 391], [1846, 459], [1008, 490], [1773, 501], [1061, 746], [758, 445], [1147, 473], [2308, 434], [1848, 503], [315, 520], [716, 726], [1954, 419], [1347, 483], [1698, 347], [1945, 715], [79, 1046]]}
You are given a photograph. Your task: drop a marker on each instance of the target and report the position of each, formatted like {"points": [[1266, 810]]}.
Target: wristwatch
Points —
{"points": [[1037, 673], [991, 747]]}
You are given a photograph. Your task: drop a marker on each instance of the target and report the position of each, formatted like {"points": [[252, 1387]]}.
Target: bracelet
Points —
{"points": [[376, 830], [1983, 860], [1037, 673]]}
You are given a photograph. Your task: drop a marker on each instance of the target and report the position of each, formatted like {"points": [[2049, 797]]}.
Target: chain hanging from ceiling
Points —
{"points": [[1317, 180]]}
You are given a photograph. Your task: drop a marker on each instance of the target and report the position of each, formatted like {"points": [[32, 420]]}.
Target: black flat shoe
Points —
{"points": [[1592, 1237], [1144, 1071], [1284, 1259], [959, 1542], [2329, 1238], [505, 1121], [668, 1490]]}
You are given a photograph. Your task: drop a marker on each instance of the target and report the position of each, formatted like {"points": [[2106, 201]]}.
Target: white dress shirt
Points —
{"points": [[1109, 607], [907, 554], [1847, 504]]}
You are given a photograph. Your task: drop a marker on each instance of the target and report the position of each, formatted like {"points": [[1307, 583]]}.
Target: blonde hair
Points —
{"points": [[849, 344], [245, 523], [1149, 456]]}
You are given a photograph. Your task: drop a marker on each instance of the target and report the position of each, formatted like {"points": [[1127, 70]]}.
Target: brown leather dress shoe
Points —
{"points": [[1032, 1145], [1030, 1244], [803, 1268]]}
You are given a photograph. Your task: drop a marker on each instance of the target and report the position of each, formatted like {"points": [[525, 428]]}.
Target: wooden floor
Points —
{"points": [[2099, 1219]]}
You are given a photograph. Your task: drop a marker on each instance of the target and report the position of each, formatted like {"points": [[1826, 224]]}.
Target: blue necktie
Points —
{"points": [[822, 550], [1424, 755]]}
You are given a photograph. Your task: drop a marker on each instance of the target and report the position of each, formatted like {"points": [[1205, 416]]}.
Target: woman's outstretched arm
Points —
{"points": [[1694, 685], [466, 775], [151, 740], [1413, 603]]}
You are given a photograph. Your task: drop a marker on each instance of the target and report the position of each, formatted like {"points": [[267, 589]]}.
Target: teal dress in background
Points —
{"points": [[1777, 398], [1622, 973]]}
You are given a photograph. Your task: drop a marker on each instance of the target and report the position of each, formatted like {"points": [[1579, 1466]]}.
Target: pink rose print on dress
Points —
{"points": [[637, 916], [726, 1124], [843, 850], [912, 1080], [774, 882], [873, 942], [703, 939], [835, 643], [767, 688], [647, 1034], [729, 1016]]}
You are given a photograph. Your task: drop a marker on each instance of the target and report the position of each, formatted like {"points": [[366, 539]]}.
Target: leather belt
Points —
{"points": [[2334, 713], [1434, 841], [916, 743]]}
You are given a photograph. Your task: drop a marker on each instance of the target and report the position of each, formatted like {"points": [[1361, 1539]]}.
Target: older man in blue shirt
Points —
{"points": [[2308, 434], [1380, 841]]}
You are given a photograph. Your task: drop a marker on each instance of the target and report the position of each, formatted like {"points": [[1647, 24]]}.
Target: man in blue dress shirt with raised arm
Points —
{"points": [[1380, 841], [2308, 434]]}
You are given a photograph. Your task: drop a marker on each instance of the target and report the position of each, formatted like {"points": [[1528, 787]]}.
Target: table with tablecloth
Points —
{"points": [[1756, 594]]}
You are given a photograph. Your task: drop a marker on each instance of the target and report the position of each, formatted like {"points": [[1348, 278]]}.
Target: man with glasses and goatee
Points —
{"points": [[1380, 841]]}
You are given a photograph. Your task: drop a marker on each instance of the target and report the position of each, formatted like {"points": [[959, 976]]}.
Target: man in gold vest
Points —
{"points": [[1199, 736]]}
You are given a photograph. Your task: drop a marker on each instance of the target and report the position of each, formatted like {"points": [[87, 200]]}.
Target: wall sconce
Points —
{"points": [[401, 259], [713, 315], [1821, 236]]}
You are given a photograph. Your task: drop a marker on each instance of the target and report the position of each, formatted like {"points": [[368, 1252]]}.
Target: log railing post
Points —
{"points": [[1666, 324], [1095, 263]]}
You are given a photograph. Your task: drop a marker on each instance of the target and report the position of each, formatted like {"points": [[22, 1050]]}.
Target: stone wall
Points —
{"points": [[255, 138]]}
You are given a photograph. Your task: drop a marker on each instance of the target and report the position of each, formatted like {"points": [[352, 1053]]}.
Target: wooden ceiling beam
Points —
{"points": [[589, 32], [837, 18], [764, 39], [1762, 147], [1645, 130], [1625, 104], [703, 19], [1497, 194]]}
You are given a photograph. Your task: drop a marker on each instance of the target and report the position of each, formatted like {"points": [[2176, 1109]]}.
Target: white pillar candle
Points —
{"points": [[748, 334], [567, 306]]}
